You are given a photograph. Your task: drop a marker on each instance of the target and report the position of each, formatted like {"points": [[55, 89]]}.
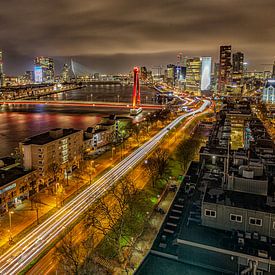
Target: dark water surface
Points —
{"points": [[18, 122]]}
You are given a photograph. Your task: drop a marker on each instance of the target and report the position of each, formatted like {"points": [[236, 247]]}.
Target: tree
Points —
{"points": [[76, 256], [119, 216], [157, 165], [185, 151]]}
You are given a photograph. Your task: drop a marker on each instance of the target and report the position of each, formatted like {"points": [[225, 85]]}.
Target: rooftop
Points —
{"points": [[10, 171], [46, 137]]}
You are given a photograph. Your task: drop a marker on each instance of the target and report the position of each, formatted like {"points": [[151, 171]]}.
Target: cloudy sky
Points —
{"points": [[113, 35]]}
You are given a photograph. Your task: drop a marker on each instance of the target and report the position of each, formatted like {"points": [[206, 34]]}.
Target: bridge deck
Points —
{"points": [[80, 103]]}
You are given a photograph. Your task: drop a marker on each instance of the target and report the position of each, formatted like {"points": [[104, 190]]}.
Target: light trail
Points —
{"points": [[27, 249], [79, 104]]}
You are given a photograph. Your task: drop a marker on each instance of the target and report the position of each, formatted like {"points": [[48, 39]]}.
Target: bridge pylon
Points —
{"points": [[136, 109]]}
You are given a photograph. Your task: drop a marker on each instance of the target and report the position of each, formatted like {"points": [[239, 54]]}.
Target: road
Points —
{"points": [[26, 250], [79, 103]]}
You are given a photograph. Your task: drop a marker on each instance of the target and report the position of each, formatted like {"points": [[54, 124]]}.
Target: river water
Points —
{"points": [[18, 122]]}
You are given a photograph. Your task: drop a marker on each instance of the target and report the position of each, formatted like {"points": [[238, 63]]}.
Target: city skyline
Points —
{"points": [[112, 36]]}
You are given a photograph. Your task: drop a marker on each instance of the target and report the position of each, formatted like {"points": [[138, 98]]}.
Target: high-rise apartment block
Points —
{"points": [[225, 67]]}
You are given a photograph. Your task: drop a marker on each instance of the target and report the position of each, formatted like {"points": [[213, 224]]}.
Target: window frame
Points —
{"points": [[236, 218], [210, 213]]}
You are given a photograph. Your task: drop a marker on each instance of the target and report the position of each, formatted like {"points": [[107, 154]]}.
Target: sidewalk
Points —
{"points": [[24, 217]]}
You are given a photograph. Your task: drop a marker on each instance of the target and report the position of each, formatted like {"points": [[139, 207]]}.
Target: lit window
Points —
{"points": [[255, 221], [210, 213], [236, 218], [273, 225]]}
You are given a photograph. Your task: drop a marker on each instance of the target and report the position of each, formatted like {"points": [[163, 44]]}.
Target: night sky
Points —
{"points": [[113, 35]]}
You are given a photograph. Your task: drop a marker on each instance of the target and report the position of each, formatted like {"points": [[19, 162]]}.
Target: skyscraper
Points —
{"points": [[206, 64], [193, 75], [225, 67], [1, 70], [65, 74], [237, 68], [273, 71], [43, 69]]}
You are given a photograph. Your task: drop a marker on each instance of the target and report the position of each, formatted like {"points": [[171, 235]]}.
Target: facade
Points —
{"points": [[237, 68], [65, 74], [193, 75], [44, 70], [198, 74], [206, 64], [59, 147], [225, 67], [2, 78], [269, 92], [16, 184]]}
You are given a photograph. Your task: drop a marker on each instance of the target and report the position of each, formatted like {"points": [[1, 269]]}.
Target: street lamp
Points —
{"points": [[10, 239], [113, 149], [118, 98]]}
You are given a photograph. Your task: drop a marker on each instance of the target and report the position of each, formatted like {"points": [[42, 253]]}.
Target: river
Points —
{"points": [[18, 122]]}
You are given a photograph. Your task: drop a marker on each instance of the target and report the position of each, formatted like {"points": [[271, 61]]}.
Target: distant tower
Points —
{"points": [[1, 70], [225, 67], [136, 88], [43, 69], [65, 74], [273, 71], [237, 68]]}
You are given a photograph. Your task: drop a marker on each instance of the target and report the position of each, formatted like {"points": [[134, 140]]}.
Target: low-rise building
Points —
{"points": [[16, 183]]}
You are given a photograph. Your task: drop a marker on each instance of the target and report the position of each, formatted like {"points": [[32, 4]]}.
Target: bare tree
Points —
{"points": [[186, 150], [74, 255], [157, 165], [118, 216]]}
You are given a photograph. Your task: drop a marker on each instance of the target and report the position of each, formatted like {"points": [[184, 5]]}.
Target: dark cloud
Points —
{"points": [[113, 35]]}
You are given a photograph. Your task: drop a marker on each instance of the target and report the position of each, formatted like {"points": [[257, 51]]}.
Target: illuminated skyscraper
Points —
{"points": [[237, 68], [206, 64], [225, 67], [43, 70], [65, 74], [1, 70], [193, 75]]}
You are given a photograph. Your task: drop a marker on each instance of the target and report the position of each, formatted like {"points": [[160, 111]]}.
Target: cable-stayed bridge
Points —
{"points": [[82, 73]]}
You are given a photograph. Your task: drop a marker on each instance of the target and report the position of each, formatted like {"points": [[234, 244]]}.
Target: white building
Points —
{"points": [[269, 92]]}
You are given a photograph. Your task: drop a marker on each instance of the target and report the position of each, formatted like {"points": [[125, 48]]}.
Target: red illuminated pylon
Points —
{"points": [[136, 89]]}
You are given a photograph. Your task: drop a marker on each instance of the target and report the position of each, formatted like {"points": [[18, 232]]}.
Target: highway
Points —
{"points": [[27, 249]]}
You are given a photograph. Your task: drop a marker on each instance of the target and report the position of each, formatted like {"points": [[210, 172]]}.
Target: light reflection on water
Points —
{"points": [[18, 122]]}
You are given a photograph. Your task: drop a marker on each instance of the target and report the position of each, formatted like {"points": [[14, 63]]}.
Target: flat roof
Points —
{"points": [[45, 138]]}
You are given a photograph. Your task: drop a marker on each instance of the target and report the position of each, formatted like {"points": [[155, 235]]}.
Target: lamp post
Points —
{"points": [[113, 149], [10, 239]]}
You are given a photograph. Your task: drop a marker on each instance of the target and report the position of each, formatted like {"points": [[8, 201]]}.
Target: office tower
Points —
{"points": [[30, 76], [43, 70], [170, 74], [237, 68], [1, 70], [193, 75], [206, 64], [65, 74], [143, 73], [225, 67]]}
